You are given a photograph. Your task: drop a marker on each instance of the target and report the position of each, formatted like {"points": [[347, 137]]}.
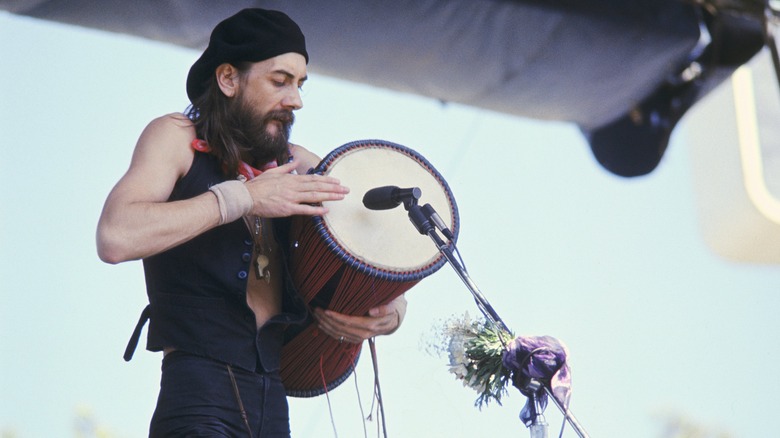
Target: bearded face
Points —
{"points": [[264, 137]]}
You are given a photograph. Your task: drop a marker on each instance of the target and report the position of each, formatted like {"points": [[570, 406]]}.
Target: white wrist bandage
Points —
{"points": [[234, 200]]}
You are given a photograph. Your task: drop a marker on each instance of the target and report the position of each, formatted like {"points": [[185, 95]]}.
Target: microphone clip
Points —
{"points": [[409, 197]]}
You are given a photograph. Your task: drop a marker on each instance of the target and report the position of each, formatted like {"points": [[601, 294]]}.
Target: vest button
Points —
{"points": [[242, 275], [246, 256], [248, 242]]}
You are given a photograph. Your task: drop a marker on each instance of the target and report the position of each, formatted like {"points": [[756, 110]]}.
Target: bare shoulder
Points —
{"points": [[305, 158], [174, 126], [166, 139]]}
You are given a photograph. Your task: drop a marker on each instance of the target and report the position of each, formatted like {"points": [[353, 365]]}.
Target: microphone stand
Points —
{"points": [[422, 221], [424, 226]]}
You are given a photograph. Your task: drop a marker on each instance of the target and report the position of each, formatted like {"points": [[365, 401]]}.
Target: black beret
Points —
{"points": [[251, 35]]}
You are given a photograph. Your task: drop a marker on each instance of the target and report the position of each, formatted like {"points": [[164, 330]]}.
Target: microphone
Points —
{"points": [[387, 197], [436, 219]]}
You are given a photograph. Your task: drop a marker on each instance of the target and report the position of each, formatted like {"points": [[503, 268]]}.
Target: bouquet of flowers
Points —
{"points": [[475, 349], [487, 359]]}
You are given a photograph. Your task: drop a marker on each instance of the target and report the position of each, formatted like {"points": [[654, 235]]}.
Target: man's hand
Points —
{"points": [[381, 320], [278, 193]]}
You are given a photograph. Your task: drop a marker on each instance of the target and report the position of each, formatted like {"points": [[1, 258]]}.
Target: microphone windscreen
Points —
{"points": [[381, 198]]}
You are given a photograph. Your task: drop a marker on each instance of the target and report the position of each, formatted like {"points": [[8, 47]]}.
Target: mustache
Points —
{"points": [[285, 117]]}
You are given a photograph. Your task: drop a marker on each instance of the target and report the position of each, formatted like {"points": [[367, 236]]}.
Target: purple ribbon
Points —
{"points": [[542, 358]]}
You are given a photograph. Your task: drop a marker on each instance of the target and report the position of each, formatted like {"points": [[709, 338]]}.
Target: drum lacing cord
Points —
{"points": [[377, 388], [327, 396], [377, 393], [238, 399]]}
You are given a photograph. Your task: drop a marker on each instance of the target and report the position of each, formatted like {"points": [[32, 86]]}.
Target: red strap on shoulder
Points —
{"points": [[200, 145]]}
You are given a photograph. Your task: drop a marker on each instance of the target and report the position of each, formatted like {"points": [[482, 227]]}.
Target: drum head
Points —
{"points": [[385, 240]]}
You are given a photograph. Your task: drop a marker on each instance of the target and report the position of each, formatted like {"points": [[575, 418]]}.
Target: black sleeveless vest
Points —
{"points": [[197, 290]]}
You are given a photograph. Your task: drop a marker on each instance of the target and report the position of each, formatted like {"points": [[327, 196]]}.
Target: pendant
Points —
{"points": [[262, 271]]}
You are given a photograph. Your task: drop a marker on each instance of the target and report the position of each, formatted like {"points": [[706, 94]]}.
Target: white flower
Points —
{"points": [[459, 370]]}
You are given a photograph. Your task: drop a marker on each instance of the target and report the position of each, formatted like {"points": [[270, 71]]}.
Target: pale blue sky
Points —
{"points": [[657, 325]]}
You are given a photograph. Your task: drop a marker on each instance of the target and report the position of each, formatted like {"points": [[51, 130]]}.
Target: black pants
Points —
{"points": [[197, 399]]}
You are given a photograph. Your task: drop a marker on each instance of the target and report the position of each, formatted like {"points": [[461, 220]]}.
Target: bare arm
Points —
{"points": [[306, 159], [137, 221]]}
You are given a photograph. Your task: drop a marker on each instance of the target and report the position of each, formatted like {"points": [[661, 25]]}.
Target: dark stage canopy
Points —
{"points": [[625, 71]]}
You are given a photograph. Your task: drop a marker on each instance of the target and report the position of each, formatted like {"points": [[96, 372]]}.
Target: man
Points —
{"points": [[203, 204]]}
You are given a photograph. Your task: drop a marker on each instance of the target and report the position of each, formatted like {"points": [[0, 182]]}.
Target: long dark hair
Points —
{"points": [[214, 122]]}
